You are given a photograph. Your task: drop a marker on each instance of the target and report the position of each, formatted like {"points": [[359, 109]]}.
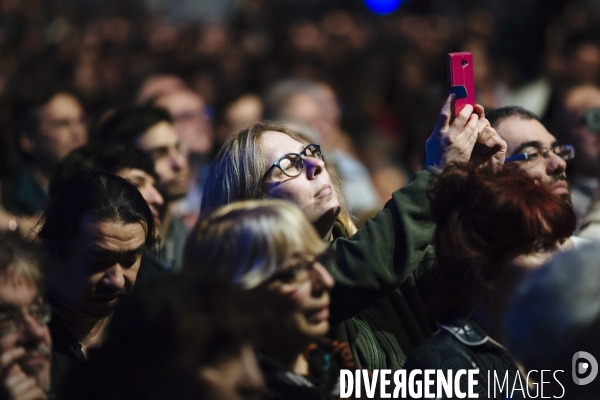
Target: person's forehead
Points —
{"points": [[516, 131], [17, 290], [583, 97], [135, 174], [162, 134], [111, 236], [276, 144], [181, 101], [62, 105]]}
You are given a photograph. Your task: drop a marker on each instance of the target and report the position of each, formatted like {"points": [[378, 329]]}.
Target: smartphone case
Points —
{"points": [[460, 79]]}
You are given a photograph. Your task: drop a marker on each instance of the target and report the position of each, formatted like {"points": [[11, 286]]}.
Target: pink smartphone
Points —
{"points": [[460, 80]]}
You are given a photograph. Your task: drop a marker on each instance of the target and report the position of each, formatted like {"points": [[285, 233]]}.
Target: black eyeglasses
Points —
{"points": [[300, 271], [292, 164], [535, 156], [11, 321]]}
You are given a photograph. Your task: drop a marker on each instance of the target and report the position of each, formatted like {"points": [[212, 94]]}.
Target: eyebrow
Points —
{"points": [[97, 250], [533, 143]]}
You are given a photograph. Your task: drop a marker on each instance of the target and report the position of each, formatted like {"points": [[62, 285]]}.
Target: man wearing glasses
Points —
{"points": [[25, 341], [533, 148]]}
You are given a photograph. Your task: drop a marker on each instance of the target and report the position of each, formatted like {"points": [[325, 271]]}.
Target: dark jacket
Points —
{"points": [[382, 276], [22, 194], [325, 360], [464, 345]]}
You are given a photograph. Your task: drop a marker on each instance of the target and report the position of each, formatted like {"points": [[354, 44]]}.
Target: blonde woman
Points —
{"points": [[382, 270], [270, 247]]}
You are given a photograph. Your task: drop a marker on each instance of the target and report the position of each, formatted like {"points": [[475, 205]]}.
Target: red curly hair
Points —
{"points": [[483, 219]]}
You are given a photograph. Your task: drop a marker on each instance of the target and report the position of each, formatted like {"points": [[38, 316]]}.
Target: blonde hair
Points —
{"points": [[237, 171], [244, 243]]}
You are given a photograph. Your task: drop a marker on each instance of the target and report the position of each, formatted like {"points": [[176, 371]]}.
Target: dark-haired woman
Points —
{"points": [[492, 227]]}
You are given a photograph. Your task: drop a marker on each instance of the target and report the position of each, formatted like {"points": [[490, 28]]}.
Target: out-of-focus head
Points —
{"points": [[158, 85], [23, 313], [95, 231], [241, 113], [176, 339], [524, 133], [269, 246], [554, 314], [190, 118], [150, 130], [124, 161], [239, 173], [485, 219], [578, 102], [303, 101], [581, 58], [50, 126]]}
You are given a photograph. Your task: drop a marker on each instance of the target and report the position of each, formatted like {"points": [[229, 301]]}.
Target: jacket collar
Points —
{"points": [[468, 333]]}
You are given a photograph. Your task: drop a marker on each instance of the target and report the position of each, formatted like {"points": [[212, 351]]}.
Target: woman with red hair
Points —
{"points": [[491, 227]]}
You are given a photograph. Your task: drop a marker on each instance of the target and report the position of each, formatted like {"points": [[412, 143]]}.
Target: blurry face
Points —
{"points": [[190, 119], [27, 350], [162, 143], [524, 135], [235, 378], [312, 190], [145, 184], [300, 295], [587, 143], [61, 129], [101, 266]]}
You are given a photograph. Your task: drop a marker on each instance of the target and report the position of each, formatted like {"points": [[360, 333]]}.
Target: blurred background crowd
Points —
{"points": [[150, 90], [381, 76]]}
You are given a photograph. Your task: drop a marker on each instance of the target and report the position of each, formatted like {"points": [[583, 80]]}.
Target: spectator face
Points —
{"points": [[100, 267], [145, 184], [523, 135], [300, 293], [61, 129], [235, 378], [587, 143], [28, 347], [312, 190], [190, 120], [162, 143]]}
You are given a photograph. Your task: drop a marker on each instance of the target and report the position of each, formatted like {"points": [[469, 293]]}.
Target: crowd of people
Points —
{"points": [[242, 209]]}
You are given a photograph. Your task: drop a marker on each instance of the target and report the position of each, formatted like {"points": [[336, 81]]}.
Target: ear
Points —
{"points": [[26, 143]]}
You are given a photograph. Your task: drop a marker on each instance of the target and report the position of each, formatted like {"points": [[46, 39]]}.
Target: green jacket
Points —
{"points": [[382, 275]]}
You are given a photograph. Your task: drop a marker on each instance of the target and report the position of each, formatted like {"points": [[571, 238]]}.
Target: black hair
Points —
{"points": [[496, 116], [99, 194], [128, 124], [159, 337], [97, 157]]}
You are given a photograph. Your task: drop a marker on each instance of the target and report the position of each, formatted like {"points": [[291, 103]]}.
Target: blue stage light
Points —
{"points": [[383, 7]]}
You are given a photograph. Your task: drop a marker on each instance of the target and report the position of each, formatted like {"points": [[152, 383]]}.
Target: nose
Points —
{"points": [[322, 279], [32, 331], [556, 165], [153, 197], [114, 277], [78, 131], [177, 160], [314, 166]]}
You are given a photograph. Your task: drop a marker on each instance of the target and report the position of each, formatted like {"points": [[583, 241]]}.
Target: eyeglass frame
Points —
{"points": [[20, 316], [325, 258], [545, 152], [299, 155]]}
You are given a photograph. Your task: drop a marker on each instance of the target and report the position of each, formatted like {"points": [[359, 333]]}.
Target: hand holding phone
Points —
{"points": [[460, 80]]}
